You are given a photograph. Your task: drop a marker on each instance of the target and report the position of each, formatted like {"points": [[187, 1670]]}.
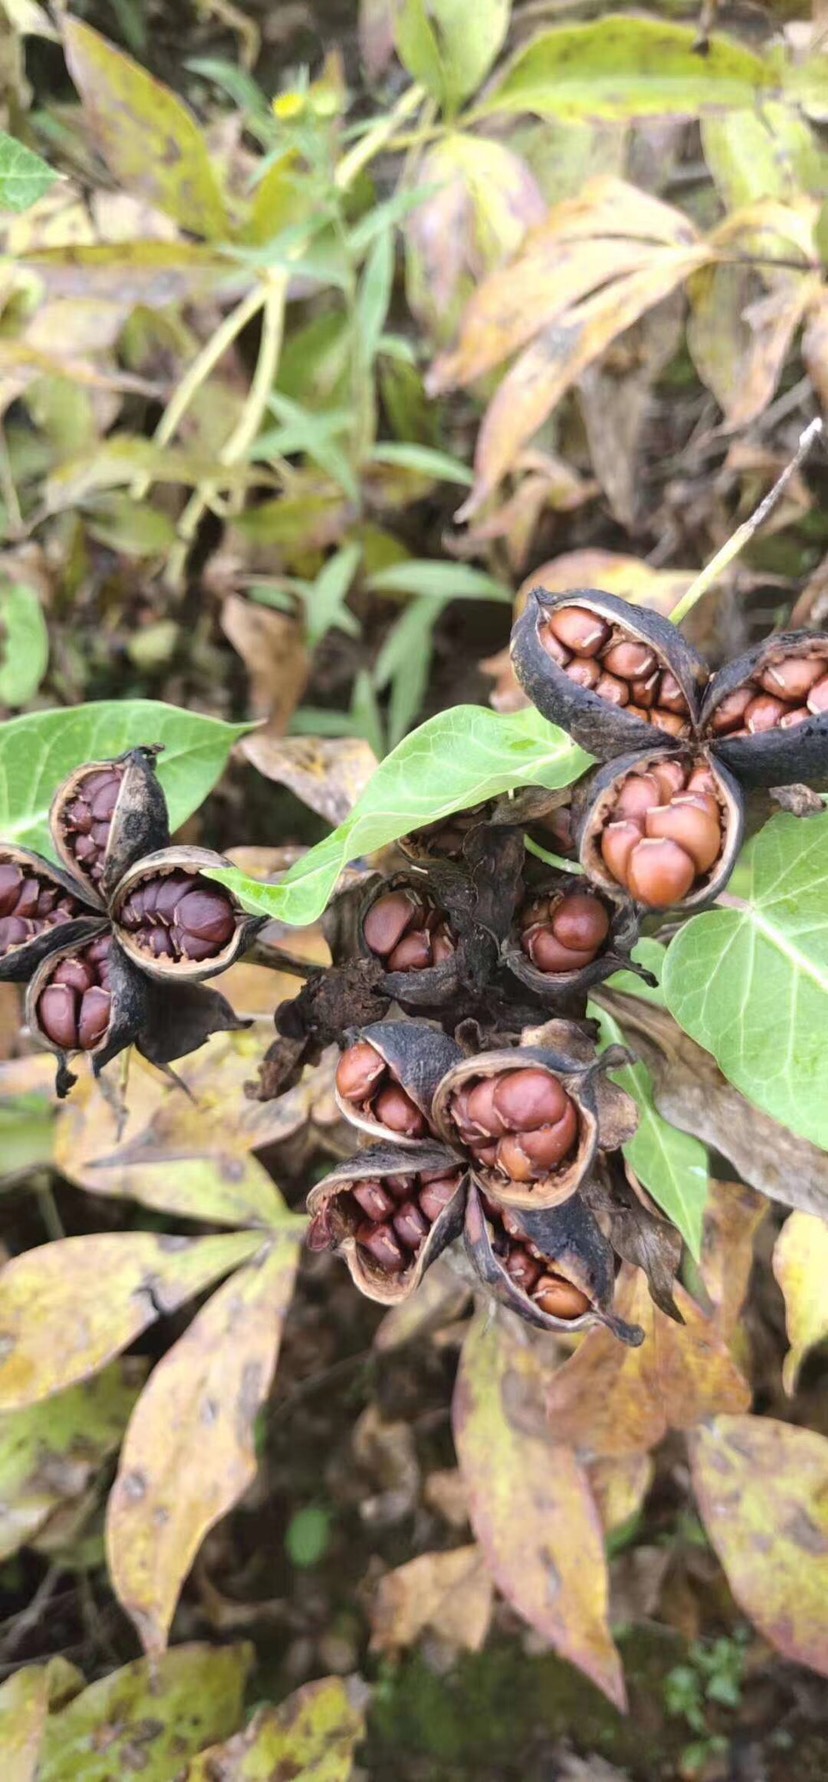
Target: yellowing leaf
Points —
{"points": [[162, 1710], [531, 1507], [800, 1264], [483, 200], [148, 137], [188, 1453], [311, 1736], [451, 1593], [620, 1486], [224, 1189], [630, 577], [49, 1452], [762, 1489], [24, 1704], [153, 273], [68, 1307]]}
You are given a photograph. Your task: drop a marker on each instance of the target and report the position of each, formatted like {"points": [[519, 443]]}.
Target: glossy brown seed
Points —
{"points": [[660, 873], [394, 1109], [104, 800], [388, 919], [615, 692], [14, 931], [581, 921], [442, 946], [669, 722], [548, 954], [207, 914], [688, 822], [701, 780], [413, 953], [797, 716], [410, 1225], [28, 898], [549, 1144], [93, 1019], [373, 1200], [639, 794], [485, 1152], [11, 884], [792, 678], [818, 696], [584, 671], [763, 713], [631, 661], [670, 777], [617, 843], [645, 692], [359, 1070], [638, 711], [559, 1298], [553, 646], [670, 696], [528, 1098], [578, 629], [730, 714], [79, 974], [522, 1269], [57, 1014], [383, 1245], [435, 1196], [481, 1114]]}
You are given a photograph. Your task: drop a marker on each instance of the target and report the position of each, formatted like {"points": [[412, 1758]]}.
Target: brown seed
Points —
{"points": [[482, 1115], [93, 1020], [11, 883], [670, 696], [581, 921], [645, 692], [528, 1098], [395, 1109], [14, 930], [615, 692], [412, 953], [388, 920], [670, 777], [442, 946], [730, 714], [549, 1144], [79, 974], [553, 647], [660, 872], [485, 1151], [638, 711], [522, 1269], [410, 1225], [559, 1298], [383, 1245], [701, 780], [763, 713], [631, 661], [548, 954], [818, 696], [692, 825], [792, 678], [797, 716], [512, 1160], [669, 722], [57, 1014], [584, 671], [639, 794], [359, 1070], [578, 629], [373, 1200], [435, 1196], [103, 802], [207, 915], [617, 843], [28, 898]]}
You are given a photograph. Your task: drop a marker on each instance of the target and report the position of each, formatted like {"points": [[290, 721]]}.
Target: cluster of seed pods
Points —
{"points": [[74, 1008], [529, 1268], [624, 671], [178, 915], [369, 1086], [408, 931], [30, 905]]}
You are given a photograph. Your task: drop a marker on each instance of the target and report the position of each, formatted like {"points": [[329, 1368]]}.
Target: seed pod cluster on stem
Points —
{"points": [[116, 943]]}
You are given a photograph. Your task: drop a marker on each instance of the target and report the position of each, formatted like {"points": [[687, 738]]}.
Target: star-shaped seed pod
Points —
{"points": [[115, 943], [630, 689]]}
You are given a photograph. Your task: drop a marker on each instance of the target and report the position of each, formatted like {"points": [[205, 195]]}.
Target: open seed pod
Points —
{"points": [[88, 998], [568, 936], [37, 902], [554, 1268], [765, 715], [389, 1213], [173, 922], [663, 829], [403, 927], [387, 1076], [527, 1118], [607, 671], [106, 816]]}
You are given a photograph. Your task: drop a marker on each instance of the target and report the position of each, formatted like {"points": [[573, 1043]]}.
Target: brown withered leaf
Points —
{"points": [[732, 1218], [608, 1400], [188, 1453], [636, 1233], [800, 1263], [740, 332], [691, 1092], [311, 1736], [815, 348], [272, 649], [762, 1489], [450, 1593], [445, 1492], [327, 773], [629, 577], [531, 1507], [615, 400], [439, 1300]]}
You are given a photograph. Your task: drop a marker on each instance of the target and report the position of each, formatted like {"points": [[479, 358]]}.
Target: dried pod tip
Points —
{"points": [[563, 934], [407, 931], [663, 833], [178, 915], [87, 818], [779, 696], [368, 1085], [75, 1007], [391, 1216], [30, 904], [519, 1122], [616, 666], [532, 1272]]}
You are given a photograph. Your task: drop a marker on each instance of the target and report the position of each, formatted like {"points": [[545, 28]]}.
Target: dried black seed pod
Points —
{"points": [[554, 1268], [173, 922], [531, 1119], [663, 829], [765, 715], [386, 1078], [567, 936], [86, 998], [106, 816], [389, 1213], [607, 671], [37, 901]]}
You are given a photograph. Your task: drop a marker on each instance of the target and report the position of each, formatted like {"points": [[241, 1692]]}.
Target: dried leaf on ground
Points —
{"points": [[615, 395], [312, 1736], [439, 1299], [148, 1718], [224, 1189], [800, 1264], [327, 773], [445, 1492], [50, 1452], [273, 651], [531, 1506], [24, 1704], [762, 1489], [68, 1307], [608, 1400], [450, 1593]]}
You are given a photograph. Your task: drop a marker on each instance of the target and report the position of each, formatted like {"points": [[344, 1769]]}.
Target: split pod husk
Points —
{"points": [[387, 1076], [173, 922], [568, 936], [555, 1268], [39, 903], [766, 714], [664, 831], [389, 1213], [105, 816]]}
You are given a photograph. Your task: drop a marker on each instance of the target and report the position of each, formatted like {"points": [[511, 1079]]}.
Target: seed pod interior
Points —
{"points": [[662, 830], [36, 900], [106, 816], [530, 1129], [387, 1076], [389, 1215], [171, 920], [766, 713], [524, 1271]]}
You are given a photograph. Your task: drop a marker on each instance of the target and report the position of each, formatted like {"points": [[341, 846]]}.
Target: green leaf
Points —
{"points": [[450, 52], [621, 67], [39, 750], [308, 1535], [442, 581], [26, 1134], [311, 1736], [324, 600], [24, 643], [417, 46], [374, 296], [751, 984], [50, 1452], [23, 176], [147, 136], [671, 1164], [455, 760], [772, 153], [404, 662], [440, 465]]}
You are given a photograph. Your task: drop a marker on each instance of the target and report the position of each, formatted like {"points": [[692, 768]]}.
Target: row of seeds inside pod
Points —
{"points": [[408, 932], [602, 658], [178, 915], [391, 1216], [527, 1267], [28, 905], [664, 832], [87, 818], [75, 1006], [781, 696]]}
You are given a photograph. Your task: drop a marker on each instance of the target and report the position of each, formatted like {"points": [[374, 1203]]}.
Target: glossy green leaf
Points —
{"points": [[672, 1165], [457, 759], [442, 581], [23, 176], [750, 984], [39, 750], [24, 643], [51, 1451], [622, 67]]}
